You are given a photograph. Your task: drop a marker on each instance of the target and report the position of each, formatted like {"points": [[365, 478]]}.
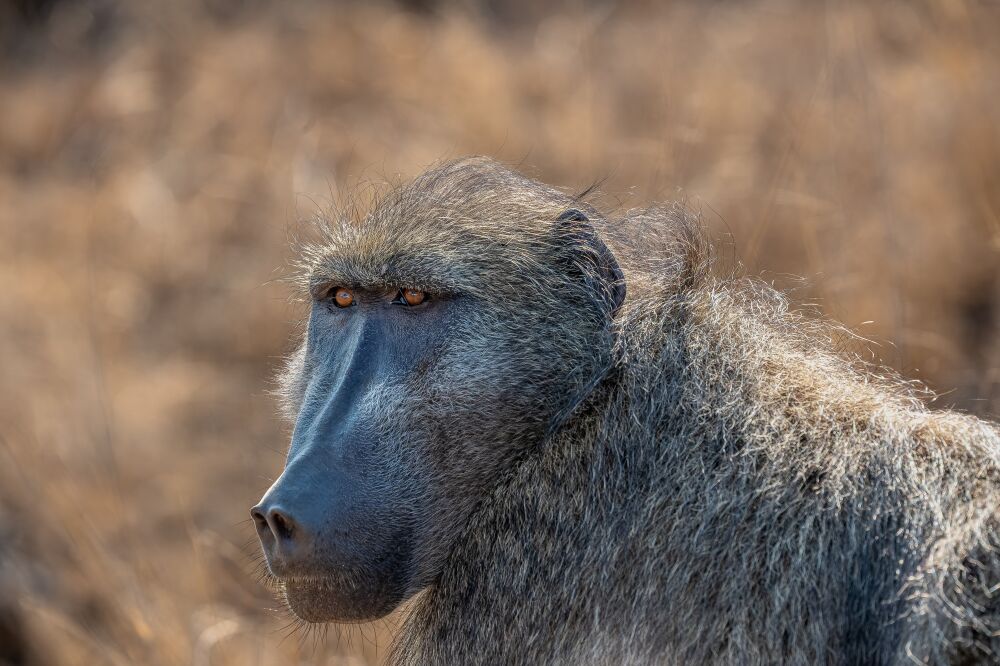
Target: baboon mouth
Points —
{"points": [[318, 600]]}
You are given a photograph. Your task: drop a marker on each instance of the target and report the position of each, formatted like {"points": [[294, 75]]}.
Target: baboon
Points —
{"points": [[580, 445]]}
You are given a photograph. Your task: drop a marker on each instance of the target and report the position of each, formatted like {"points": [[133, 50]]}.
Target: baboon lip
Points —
{"points": [[317, 600]]}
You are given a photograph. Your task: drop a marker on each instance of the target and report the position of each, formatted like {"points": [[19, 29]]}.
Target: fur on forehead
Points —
{"points": [[436, 233]]}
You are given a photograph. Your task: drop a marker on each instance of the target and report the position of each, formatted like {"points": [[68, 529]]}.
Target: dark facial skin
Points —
{"points": [[338, 526]]}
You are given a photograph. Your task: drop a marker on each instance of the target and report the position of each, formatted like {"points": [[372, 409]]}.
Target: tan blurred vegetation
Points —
{"points": [[155, 156]]}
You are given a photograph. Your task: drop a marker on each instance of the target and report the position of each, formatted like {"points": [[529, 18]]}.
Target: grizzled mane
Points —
{"points": [[663, 250]]}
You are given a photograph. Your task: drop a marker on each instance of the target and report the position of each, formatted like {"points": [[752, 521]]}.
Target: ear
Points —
{"points": [[610, 287]]}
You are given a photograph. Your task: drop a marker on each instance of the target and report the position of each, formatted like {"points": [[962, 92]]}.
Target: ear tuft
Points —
{"points": [[612, 280]]}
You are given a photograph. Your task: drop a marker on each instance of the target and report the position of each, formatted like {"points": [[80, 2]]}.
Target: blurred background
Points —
{"points": [[156, 157]]}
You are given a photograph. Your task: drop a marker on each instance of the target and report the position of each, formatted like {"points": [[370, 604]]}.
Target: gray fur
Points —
{"points": [[724, 489]]}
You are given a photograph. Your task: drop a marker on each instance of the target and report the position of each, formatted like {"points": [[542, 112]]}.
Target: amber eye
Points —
{"points": [[414, 297], [343, 297]]}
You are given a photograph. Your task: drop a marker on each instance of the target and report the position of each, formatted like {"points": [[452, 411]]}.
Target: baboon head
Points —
{"points": [[452, 329]]}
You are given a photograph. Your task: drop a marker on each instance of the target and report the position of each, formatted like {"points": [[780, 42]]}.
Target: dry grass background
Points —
{"points": [[155, 156]]}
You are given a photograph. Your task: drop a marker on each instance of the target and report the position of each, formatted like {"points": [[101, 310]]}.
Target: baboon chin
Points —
{"points": [[588, 449], [336, 599]]}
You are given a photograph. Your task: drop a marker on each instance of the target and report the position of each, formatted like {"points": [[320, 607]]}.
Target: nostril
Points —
{"points": [[259, 520], [281, 524], [276, 529]]}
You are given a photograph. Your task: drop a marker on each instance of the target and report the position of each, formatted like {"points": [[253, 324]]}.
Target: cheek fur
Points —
{"points": [[291, 383]]}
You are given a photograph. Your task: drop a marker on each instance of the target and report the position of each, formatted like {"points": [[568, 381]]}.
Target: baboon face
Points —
{"points": [[441, 345]]}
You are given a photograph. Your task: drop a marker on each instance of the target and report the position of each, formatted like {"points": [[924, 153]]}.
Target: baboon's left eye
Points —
{"points": [[411, 296], [343, 297]]}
